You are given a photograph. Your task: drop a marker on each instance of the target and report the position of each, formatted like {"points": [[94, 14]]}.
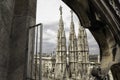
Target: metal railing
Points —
{"points": [[34, 52]]}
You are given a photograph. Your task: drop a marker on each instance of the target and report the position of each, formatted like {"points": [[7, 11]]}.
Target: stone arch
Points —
{"points": [[104, 23]]}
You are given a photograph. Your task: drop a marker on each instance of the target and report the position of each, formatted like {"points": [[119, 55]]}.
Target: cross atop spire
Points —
{"points": [[60, 10]]}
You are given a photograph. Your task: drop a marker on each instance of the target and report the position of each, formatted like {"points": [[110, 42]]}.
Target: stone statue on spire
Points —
{"points": [[60, 10], [71, 15]]}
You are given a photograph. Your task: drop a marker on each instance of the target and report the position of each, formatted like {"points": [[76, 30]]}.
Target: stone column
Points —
{"points": [[6, 14], [24, 16]]}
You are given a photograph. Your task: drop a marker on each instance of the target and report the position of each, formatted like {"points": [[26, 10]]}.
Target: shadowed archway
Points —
{"points": [[102, 18]]}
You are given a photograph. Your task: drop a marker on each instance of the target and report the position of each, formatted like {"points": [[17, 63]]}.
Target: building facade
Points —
{"points": [[48, 65]]}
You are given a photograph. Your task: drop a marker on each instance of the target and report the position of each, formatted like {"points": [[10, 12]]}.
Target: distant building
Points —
{"points": [[94, 58], [94, 61], [48, 65]]}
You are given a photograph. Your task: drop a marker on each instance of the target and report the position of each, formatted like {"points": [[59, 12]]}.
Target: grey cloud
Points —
{"points": [[49, 47], [53, 26]]}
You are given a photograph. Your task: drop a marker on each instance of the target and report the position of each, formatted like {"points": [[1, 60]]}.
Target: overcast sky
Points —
{"points": [[48, 14]]}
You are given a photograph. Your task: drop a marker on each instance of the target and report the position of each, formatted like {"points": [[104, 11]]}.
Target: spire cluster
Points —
{"points": [[76, 48]]}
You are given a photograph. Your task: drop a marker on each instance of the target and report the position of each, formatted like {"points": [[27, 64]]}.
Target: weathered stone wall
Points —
{"points": [[6, 14], [15, 18], [24, 16]]}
